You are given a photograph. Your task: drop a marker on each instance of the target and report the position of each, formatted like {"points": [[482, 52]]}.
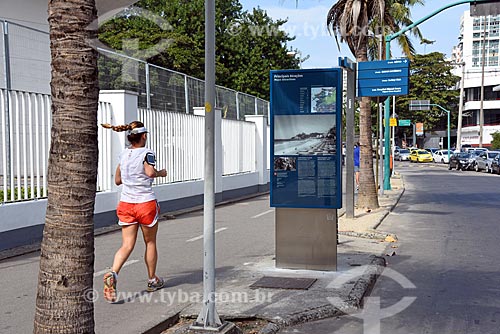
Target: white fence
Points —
{"points": [[177, 138], [238, 142]]}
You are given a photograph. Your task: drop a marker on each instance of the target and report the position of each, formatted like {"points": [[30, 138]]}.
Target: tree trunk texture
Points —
{"points": [[367, 196], [64, 302]]}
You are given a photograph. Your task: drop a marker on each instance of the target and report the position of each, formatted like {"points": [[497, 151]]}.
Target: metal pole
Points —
{"points": [[351, 68], [208, 317], [186, 93], [387, 134], [414, 138], [448, 135], [481, 106], [8, 86], [377, 146], [148, 88], [393, 143], [389, 38], [380, 178], [460, 109], [379, 152]]}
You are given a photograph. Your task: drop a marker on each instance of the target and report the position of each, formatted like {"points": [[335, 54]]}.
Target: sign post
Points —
{"points": [[350, 67], [404, 122], [424, 105], [384, 78], [306, 178]]}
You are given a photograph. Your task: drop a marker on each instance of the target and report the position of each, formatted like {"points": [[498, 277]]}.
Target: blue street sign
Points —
{"points": [[383, 82], [381, 64], [384, 73], [383, 91], [383, 77]]}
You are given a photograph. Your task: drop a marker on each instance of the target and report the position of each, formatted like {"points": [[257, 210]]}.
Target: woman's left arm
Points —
{"points": [[152, 172]]}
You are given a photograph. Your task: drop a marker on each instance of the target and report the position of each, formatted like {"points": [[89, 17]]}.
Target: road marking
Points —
{"points": [[201, 237], [262, 214], [102, 272]]}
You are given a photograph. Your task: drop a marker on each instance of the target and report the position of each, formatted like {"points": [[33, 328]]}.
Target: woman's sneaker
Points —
{"points": [[158, 283], [110, 280]]}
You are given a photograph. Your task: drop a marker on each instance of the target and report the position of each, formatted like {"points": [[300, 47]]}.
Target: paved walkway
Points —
{"points": [[361, 258], [245, 253]]}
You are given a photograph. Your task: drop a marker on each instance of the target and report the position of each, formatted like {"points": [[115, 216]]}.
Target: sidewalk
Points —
{"points": [[245, 254], [361, 258]]}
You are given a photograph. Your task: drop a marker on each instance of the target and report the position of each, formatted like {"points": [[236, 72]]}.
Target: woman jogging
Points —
{"points": [[137, 207]]}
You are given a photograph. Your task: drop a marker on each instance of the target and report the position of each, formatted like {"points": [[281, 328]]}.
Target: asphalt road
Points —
{"points": [[448, 258]]}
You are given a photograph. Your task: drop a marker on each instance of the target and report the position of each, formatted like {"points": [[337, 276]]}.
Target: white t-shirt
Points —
{"points": [[136, 184]]}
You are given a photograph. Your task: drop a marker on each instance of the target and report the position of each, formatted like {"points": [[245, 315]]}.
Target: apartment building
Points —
{"points": [[479, 39]]}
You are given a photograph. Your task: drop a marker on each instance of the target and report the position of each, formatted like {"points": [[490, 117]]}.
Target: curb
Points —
{"points": [[354, 301], [393, 205]]}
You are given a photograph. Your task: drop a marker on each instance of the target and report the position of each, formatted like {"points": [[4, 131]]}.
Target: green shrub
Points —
{"points": [[16, 194], [495, 143]]}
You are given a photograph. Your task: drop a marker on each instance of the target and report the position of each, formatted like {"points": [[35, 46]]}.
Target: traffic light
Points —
{"points": [[483, 8]]}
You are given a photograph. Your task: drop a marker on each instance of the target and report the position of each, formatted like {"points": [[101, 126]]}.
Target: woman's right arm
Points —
{"points": [[118, 176]]}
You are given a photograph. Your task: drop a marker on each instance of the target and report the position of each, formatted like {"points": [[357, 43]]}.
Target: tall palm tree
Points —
{"points": [[352, 20], [64, 303]]}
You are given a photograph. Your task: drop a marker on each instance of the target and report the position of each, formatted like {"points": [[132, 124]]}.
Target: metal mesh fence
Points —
{"points": [[225, 99], [3, 84], [29, 58], [167, 90], [28, 54]]}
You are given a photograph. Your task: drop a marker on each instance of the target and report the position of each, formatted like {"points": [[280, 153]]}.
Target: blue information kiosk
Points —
{"points": [[306, 188]]}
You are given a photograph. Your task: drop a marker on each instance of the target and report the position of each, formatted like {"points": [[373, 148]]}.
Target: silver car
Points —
{"points": [[484, 159], [402, 155]]}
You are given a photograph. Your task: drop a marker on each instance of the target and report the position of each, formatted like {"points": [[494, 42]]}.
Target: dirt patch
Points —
{"points": [[247, 326]]}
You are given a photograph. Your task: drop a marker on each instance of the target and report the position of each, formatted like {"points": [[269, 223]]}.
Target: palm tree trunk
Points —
{"points": [[64, 303], [367, 197]]}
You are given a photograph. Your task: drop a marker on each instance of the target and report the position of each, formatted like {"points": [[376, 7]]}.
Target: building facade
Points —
{"points": [[479, 39]]}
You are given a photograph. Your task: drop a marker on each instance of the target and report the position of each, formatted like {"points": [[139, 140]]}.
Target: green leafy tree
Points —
{"points": [[248, 45], [431, 79], [258, 46], [495, 143]]}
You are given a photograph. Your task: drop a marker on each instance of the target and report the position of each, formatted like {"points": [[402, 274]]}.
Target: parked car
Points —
{"points": [[420, 156], [484, 159], [474, 154], [469, 149], [431, 150], [461, 161], [495, 165], [441, 156], [402, 155]]}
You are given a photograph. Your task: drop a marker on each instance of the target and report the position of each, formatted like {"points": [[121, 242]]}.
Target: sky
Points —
{"points": [[306, 21]]}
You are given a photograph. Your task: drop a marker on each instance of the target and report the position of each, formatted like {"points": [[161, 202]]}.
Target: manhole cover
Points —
{"points": [[284, 283]]}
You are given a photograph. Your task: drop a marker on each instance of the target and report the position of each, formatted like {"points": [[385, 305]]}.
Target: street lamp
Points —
{"points": [[460, 106], [295, 53], [299, 54]]}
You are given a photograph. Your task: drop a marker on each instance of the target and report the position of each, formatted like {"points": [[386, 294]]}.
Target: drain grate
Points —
{"points": [[284, 283]]}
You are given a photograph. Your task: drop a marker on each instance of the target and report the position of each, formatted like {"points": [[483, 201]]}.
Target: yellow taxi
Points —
{"points": [[420, 156]]}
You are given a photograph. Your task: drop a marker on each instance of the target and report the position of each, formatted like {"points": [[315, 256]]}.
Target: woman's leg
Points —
{"points": [[151, 254], [129, 236]]}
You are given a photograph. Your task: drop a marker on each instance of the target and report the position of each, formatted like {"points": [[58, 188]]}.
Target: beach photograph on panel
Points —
{"points": [[305, 134]]}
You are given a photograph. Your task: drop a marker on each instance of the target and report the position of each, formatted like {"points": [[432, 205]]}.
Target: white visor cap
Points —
{"points": [[138, 130]]}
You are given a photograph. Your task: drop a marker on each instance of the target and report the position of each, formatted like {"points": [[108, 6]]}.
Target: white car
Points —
{"points": [[441, 156]]}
